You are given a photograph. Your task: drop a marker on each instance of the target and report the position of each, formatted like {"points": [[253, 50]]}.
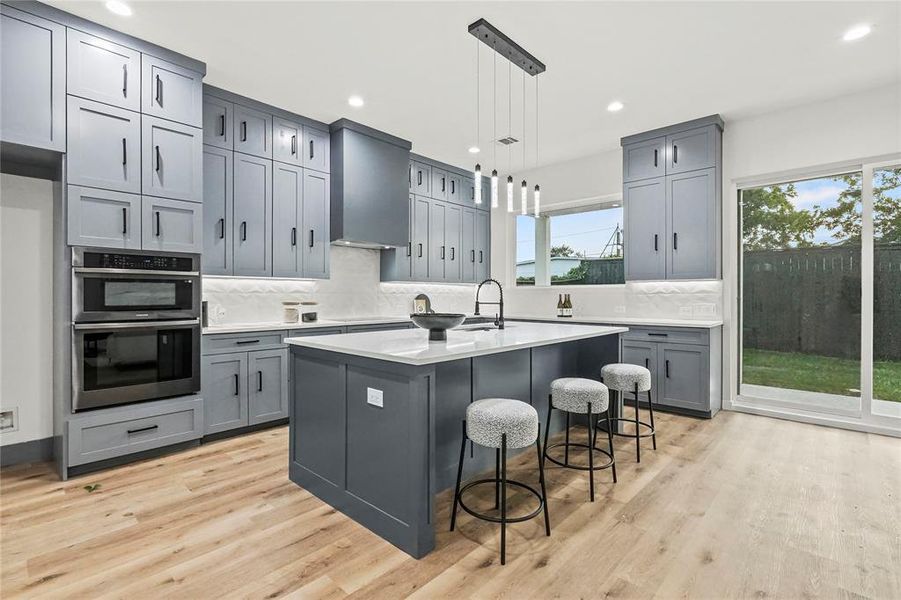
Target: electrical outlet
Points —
{"points": [[704, 310], [619, 308], [9, 420], [374, 397], [684, 311]]}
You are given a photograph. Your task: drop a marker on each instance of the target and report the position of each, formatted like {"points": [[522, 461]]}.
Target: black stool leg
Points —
{"points": [[497, 478], [590, 455], [504, 500], [547, 519], [637, 429], [653, 428], [610, 440], [566, 448], [547, 433], [459, 477]]}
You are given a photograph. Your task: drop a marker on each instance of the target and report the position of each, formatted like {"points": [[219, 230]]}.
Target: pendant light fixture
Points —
{"points": [[537, 197], [510, 193], [494, 188], [524, 189], [477, 174]]}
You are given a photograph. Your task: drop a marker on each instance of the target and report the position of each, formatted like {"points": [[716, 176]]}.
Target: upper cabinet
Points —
{"points": [[287, 141], [33, 85], [104, 146], [103, 71], [253, 132], [172, 159], [672, 201], [316, 149], [171, 92], [218, 119]]}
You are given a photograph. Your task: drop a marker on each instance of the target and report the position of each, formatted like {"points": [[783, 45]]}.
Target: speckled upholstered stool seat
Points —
{"points": [[624, 378], [574, 395], [502, 424]]}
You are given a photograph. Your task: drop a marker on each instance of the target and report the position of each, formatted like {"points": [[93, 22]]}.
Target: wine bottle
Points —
{"points": [[559, 305]]}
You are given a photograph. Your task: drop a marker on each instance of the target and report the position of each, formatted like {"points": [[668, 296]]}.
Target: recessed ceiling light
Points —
{"points": [[615, 106], [474, 150], [355, 101], [857, 32], [119, 8]]}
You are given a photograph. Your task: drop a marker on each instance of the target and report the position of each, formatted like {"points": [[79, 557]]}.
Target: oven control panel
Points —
{"points": [[144, 262]]}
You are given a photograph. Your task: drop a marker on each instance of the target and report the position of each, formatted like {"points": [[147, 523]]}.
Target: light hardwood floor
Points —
{"points": [[737, 507]]}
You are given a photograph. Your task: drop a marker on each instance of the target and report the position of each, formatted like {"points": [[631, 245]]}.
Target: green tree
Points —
{"points": [[562, 250], [770, 220], [843, 219]]}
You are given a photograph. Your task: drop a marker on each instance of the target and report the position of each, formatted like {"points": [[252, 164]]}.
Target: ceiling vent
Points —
{"points": [[507, 141]]}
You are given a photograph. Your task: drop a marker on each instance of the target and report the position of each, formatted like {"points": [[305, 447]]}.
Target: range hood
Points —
{"points": [[370, 193]]}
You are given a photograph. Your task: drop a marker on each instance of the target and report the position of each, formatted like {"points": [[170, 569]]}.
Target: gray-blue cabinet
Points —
{"points": [[692, 224], [103, 218], [468, 245], [100, 70], [316, 222], [439, 186], [287, 220], [483, 245], [453, 240], [683, 380], [33, 85], [218, 122], [104, 146], [421, 240], [645, 159], [218, 206], [171, 225], [694, 149], [316, 149], [645, 229], [171, 92], [421, 179], [436, 247], [224, 391], [172, 160], [267, 372], [252, 131], [252, 222], [287, 141]]}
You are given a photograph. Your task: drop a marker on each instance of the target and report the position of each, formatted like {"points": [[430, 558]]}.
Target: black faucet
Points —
{"points": [[498, 320]]}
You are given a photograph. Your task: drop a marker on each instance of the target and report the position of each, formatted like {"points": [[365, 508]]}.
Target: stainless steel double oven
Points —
{"points": [[136, 326]]}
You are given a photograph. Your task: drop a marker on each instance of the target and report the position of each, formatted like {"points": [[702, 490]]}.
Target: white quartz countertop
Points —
{"points": [[321, 323], [412, 346], [654, 322]]}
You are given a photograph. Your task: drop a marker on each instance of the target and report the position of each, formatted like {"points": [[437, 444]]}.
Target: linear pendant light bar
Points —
{"points": [[499, 42]]}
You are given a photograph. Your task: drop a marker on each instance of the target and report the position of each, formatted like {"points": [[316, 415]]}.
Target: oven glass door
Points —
{"points": [[122, 297], [116, 364]]}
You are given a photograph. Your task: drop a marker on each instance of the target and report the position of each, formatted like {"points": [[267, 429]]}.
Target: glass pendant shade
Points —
{"points": [[510, 193], [494, 188], [537, 201], [477, 191], [524, 198]]}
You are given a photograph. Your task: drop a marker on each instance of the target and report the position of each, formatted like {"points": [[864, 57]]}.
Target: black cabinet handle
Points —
{"points": [[409, 248], [293, 145], [142, 429], [480, 256], [312, 237], [157, 223], [453, 253], [419, 177], [311, 150], [125, 80], [243, 231], [655, 157], [157, 158], [675, 241], [124, 220], [159, 91], [420, 250], [652, 334], [473, 256], [442, 252], [666, 367], [647, 363], [222, 125], [222, 228], [294, 236], [237, 385], [243, 131], [655, 242], [243, 342], [259, 381], [124, 152], [453, 186], [410, 175], [443, 185], [675, 153]]}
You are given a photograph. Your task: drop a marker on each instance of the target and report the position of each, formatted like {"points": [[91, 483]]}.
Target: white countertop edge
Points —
{"points": [[661, 322], [321, 343], [320, 324]]}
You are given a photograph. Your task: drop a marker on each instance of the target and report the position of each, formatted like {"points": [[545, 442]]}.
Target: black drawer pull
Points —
{"points": [[657, 334], [142, 429], [124, 220], [443, 185], [453, 187], [675, 154], [480, 256], [259, 381], [294, 236], [312, 237], [419, 177], [666, 367], [311, 150], [125, 80], [222, 125], [237, 388], [473, 256], [420, 250], [647, 363], [453, 253], [655, 242], [243, 131], [222, 228], [655, 157], [157, 223], [159, 91], [675, 241], [158, 160], [293, 145], [409, 248], [243, 231], [248, 342], [124, 153], [442, 252]]}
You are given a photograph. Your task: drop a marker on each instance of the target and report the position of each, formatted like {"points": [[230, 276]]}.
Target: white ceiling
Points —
{"points": [[414, 62]]}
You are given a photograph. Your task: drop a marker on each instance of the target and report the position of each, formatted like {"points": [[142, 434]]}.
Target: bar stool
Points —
{"points": [[575, 395], [623, 378], [502, 424]]}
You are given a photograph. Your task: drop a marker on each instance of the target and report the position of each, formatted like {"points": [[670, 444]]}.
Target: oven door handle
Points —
{"points": [[134, 325], [102, 271]]}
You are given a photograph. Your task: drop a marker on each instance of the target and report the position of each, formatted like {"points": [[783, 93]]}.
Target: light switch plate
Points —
{"points": [[374, 397]]}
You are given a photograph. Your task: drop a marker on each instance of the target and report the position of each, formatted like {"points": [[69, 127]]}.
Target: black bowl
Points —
{"points": [[437, 323]]}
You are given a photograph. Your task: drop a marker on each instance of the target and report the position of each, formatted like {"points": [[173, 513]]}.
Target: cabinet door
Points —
{"points": [[33, 85], [224, 391], [468, 191], [287, 141], [218, 204], [455, 190], [439, 184], [104, 146], [437, 230], [267, 376], [453, 238], [683, 379], [287, 206], [252, 223], [644, 160], [218, 119], [691, 225], [643, 354], [396, 264], [103, 218], [644, 204], [252, 132], [483, 245], [316, 149], [171, 225], [316, 210], [421, 246], [422, 179], [173, 160], [103, 71], [691, 150], [468, 254], [171, 92]]}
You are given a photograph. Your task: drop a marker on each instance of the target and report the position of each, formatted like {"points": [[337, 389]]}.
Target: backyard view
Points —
{"points": [[801, 297]]}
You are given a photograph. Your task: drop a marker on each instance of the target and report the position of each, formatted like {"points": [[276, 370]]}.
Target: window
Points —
{"points": [[575, 247]]}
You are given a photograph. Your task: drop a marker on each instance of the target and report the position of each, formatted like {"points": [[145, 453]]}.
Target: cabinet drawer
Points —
{"points": [[231, 342], [669, 334], [129, 430]]}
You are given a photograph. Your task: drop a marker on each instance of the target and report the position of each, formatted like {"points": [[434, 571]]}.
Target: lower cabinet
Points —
{"points": [[267, 399]]}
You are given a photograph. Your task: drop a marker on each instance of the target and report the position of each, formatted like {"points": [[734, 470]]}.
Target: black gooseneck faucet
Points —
{"points": [[498, 320]]}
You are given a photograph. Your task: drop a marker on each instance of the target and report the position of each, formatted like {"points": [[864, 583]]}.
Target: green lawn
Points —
{"points": [[819, 373]]}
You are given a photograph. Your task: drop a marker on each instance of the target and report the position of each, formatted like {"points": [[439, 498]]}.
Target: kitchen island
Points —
{"points": [[376, 417]]}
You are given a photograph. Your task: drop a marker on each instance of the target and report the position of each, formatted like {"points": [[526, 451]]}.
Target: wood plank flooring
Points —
{"points": [[737, 507]]}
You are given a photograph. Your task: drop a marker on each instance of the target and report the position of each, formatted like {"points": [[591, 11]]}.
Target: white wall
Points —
{"points": [[26, 305]]}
